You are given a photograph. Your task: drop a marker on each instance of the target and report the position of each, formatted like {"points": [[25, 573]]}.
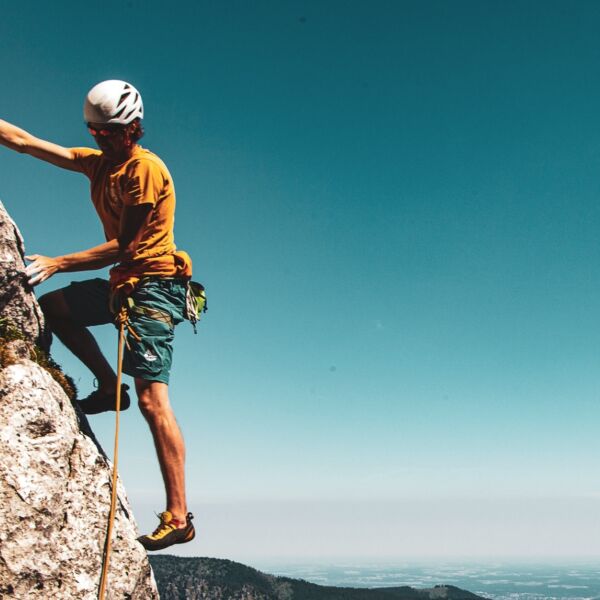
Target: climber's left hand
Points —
{"points": [[41, 268]]}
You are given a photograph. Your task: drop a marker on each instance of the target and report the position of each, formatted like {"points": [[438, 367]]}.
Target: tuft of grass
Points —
{"points": [[9, 333]]}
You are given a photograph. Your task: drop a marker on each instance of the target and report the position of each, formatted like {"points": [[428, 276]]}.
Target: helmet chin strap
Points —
{"points": [[128, 142]]}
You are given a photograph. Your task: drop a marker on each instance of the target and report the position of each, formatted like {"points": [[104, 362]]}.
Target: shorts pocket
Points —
{"points": [[149, 357]]}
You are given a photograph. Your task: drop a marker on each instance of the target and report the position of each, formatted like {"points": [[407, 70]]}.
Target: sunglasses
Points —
{"points": [[104, 131]]}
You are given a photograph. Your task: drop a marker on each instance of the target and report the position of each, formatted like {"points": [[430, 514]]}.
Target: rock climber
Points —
{"points": [[133, 194]]}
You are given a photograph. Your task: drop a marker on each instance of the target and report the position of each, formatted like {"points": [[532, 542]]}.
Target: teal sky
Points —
{"points": [[394, 208]]}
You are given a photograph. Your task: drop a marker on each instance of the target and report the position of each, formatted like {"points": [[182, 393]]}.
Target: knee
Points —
{"points": [[45, 303], [52, 304], [147, 406], [153, 403]]}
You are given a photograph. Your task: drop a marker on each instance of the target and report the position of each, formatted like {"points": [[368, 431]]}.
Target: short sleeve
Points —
{"points": [[87, 159], [142, 184]]}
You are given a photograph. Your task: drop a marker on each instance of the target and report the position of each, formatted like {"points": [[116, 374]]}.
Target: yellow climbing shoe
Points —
{"points": [[170, 531]]}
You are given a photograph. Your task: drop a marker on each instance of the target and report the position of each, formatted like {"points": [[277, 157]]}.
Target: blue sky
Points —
{"points": [[394, 209]]}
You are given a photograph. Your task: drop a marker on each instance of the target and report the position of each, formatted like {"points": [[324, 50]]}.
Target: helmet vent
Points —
{"points": [[119, 112], [124, 97]]}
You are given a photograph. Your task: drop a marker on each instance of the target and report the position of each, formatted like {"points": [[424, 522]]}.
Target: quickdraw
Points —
{"points": [[195, 303]]}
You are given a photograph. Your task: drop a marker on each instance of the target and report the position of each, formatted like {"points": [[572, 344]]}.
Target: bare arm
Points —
{"points": [[20, 140], [119, 249]]}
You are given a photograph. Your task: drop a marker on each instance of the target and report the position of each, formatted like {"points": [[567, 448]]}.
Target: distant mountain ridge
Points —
{"points": [[183, 578]]}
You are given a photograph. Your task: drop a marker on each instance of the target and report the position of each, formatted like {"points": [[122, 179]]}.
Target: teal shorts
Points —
{"points": [[151, 356]]}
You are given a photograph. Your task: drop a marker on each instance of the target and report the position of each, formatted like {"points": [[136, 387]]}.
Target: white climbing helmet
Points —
{"points": [[113, 101]]}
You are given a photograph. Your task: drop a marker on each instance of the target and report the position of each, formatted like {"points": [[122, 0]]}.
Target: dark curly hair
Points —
{"points": [[135, 130]]}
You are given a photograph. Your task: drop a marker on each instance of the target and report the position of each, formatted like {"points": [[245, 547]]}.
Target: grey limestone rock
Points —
{"points": [[55, 483], [17, 301]]}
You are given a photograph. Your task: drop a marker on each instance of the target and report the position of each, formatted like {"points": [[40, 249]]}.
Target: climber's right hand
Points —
{"points": [[22, 141]]}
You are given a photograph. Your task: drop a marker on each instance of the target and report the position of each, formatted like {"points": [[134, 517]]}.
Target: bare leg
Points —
{"points": [[154, 403], [77, 339]]}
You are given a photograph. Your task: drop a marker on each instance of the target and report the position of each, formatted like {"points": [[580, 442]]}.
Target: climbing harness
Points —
{"points": [[195, 305], [152, 313], [123, 324]]}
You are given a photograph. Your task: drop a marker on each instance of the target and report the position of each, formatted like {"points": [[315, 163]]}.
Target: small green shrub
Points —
{"points": [[9, 333]]}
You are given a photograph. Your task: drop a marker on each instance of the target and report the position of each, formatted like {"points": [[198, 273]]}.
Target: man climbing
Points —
{"points": [[133, 194]]}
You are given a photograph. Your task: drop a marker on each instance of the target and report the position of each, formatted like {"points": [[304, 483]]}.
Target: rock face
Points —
{"points": [[55, 482], [17, 305]]}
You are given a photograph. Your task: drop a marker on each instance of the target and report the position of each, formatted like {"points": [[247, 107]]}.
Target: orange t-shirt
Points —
{"points": [[141, 179]]}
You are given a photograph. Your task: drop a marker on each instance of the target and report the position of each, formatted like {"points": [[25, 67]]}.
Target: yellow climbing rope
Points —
{"points": [[123, 322]]}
